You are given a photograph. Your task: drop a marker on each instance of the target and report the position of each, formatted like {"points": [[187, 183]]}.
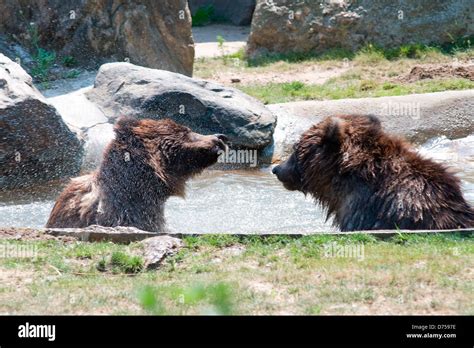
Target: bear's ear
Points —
{"points": [[374, 121], [124, 125], [333, 132]]}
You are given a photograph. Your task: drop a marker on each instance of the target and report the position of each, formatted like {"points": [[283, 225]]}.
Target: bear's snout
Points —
{"points": [[288, 173], [219, 142], [222, 137]]}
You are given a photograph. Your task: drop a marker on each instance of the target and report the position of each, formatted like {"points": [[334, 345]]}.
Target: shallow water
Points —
{"points": [[237, 201], [216, 202], [243, 202]]}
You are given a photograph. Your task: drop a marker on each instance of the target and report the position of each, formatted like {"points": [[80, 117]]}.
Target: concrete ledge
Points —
{"points": [[125, 235], [95, 233], [383, 234]]}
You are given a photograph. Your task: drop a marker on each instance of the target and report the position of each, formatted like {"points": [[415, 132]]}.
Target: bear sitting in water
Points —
{"points": [[147, 162], [369, 180]]}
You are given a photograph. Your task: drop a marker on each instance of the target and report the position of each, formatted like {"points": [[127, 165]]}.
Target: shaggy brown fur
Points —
{"points": [[147, 162], [368, 179]]}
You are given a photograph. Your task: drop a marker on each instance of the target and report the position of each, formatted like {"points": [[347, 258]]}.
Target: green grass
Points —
{"points": [[44, 61], [203, 16], [122, 262], [369, 53], [225, 274], [298, 57], [340, 88], [69, 61], [369, 72]]}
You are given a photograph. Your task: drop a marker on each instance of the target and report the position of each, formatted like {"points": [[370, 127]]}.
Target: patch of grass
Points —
{"points": [[69, 61], [44, 61], [150, 302], [369, 55], [278, 274], [240, 54], [203, 16], [72, 74], [121, 262], [211, 240], [457, 44], [297, 57], [220, 41], [293, 87], [370, 72], [214, 299], [340, 88]]}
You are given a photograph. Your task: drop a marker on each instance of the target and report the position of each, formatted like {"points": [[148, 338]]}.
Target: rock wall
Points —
{"points": [[155, 34], [283, 26]]}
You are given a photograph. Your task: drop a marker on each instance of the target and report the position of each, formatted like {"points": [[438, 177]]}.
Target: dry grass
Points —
{"points": [[367, 73], [226, 275]]}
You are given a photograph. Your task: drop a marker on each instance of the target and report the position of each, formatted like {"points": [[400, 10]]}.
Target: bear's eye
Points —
{"points": [[192, 137]]}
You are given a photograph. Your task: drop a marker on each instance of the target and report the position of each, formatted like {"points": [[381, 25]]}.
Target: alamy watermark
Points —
{"points": [[18, 251], [410, 109], [231, 156], [336, 250]]}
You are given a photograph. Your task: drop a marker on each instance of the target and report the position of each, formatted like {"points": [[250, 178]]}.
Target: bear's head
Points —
{"points": [[328, 151], [172, 151]]}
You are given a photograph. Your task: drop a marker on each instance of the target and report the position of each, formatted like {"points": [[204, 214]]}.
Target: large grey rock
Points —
{"points": [[36, 145], [417, 117], [237, 12], [206, 107], [283, 26], [147, 32]]}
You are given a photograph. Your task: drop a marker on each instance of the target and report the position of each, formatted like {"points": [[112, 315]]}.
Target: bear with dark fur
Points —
{"points": [[147, 162], [367, 179]]}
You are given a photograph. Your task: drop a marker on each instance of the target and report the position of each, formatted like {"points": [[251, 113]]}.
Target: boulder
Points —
{"points": [[156, 249], [417, 117], [237, 12], [36, 144], [284, 26], [206, 107], [150, 33]]}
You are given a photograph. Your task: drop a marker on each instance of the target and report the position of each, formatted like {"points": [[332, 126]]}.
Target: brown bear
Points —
{"points": [[367, 179], [147, 162]]}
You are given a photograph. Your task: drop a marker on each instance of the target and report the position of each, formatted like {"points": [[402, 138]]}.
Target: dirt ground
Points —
{"points": [[432, 71], [206, 44], [29, 234], [306, 74]]}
